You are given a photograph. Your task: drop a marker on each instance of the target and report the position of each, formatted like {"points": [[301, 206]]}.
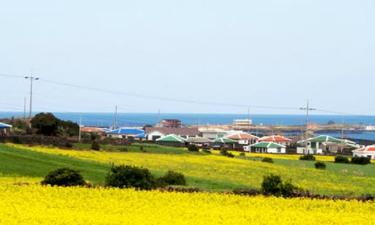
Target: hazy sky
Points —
{"points": [[259, 53]]}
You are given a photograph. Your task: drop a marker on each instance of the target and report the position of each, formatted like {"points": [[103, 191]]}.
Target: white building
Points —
{"points": [[368, 151]]}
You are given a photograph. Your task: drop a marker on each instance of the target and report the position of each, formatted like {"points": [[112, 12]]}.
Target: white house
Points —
{"points": [[266, 147], [368, 151]]}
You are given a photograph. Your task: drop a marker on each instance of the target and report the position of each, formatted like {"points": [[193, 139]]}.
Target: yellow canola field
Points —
{"points": [[37, 205]]}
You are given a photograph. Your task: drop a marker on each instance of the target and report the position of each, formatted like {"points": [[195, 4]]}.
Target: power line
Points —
{"points": [[178, 100]]}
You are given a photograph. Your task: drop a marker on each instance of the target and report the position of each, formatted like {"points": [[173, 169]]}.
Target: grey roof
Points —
{"points": [[185, 131]]}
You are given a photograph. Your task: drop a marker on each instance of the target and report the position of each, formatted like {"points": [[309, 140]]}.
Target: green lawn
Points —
{"points": [[16, 162]]}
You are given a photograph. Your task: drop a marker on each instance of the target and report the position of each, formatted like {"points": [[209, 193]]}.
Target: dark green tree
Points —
{"points": [[45, 124]]}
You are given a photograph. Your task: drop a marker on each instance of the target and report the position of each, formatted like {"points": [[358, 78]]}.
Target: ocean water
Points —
{"points": [[140, 119]]}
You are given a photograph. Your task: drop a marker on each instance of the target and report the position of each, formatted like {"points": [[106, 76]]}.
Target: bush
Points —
{"points": [[320, 165], [224, 152], [307, 157], [123, 149], [172, 178], [242, 154], [341, 159], [246, 191], [130, 177], [207, 151], [64, 177], [95, 146], [267, 160], [273, 185], [361, 160], [193, 148]]}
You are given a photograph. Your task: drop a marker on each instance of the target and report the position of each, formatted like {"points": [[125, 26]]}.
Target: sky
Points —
{"points": [[195, 56]]}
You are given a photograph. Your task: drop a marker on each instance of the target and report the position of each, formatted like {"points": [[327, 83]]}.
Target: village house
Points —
{"points": [[243, 138], [5, 129], [324, 144], [154, 133], [266, 147], [127, 133], [276, 139], [171, 139], [368, 151], [212, 133]]}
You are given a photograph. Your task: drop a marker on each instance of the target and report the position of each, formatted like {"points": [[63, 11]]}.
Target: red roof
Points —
{"points": [[275, 138], [371, 149], [243, 136]]}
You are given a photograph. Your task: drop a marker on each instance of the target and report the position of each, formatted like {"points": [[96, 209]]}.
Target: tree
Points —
{"points": [[45, 124], [64, 177]]}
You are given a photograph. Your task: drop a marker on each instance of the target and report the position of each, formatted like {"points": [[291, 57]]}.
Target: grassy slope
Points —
{"points": [[214, 172], [16, 162]]}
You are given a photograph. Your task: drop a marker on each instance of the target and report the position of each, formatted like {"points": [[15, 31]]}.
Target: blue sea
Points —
{"points": [[140, 119]]}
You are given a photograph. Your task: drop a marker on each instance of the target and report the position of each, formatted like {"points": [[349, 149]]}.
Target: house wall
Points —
{"points": [[154, 135], [276, 150], [364, 154]]}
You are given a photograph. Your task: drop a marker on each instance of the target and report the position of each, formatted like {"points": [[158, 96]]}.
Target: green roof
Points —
{"points": [[267, 145], [324, 139], [224, 141], [171, 138]]}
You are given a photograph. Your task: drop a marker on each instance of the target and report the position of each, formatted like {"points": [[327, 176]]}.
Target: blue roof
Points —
{"points": [[4, 125], [126, 131], [140, 136]]}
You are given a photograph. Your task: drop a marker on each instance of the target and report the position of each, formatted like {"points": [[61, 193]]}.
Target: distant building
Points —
{"points": [[93, 130], [212, 133], [370, 128], [368, 151], [170, 123], [242, 124], [155, 133]]}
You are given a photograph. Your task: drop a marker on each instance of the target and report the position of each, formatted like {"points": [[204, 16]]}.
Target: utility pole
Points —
{"points": [[248, 118], [31, 78], [114, 126], [24, 109], [308, 109], [79, 131]]}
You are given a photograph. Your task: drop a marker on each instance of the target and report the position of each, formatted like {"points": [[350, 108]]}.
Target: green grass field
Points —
{"points": [[211, 172]]}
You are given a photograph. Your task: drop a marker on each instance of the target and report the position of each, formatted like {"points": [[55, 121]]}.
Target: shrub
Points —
{"points": [[207, 151], [242, 154], [172, 178], [341, 159], [267, 160], [64, 177], [320, 165], [95, 146], [273, 185], [123, 149], [246, 191], [130, 177], [193, 148], [307, 157], [224, 152], [361, 160]]}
